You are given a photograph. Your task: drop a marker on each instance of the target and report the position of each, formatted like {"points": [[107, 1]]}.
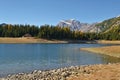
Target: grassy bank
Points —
{"points": [[108, 42], [39, 40], [108, 50], [28, 40]]}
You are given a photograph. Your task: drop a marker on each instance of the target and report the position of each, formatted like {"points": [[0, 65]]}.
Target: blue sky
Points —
{"points": [[39, 12]]}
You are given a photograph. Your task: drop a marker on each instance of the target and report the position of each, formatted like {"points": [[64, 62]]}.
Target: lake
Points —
{"points": [[16, 58]]}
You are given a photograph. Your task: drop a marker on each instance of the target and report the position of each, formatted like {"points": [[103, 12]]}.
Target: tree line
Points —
{"points": [[18, 30], [55, 32]]}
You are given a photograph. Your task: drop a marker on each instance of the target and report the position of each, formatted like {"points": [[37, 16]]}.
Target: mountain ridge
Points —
{"points": [[74, 25], [103, 26]]}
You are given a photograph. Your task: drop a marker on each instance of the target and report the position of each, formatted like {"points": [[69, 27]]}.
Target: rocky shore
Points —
{"points": [[89, 72]]}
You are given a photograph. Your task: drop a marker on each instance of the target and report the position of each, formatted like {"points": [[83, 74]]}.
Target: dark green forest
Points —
{"points": [[55, 32], [18, 30]]}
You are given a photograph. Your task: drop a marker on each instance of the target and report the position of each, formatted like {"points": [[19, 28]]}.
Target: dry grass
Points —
{"points": [[28, 40], [39, 40], [108, 50], [108, 42]]}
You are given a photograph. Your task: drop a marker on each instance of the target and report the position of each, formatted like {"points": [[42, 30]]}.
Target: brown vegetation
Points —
{"points": [[108, 50], [28, 40], [108, 42]]}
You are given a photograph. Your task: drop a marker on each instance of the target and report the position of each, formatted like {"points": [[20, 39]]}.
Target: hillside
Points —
{"points": [[103, 26], [112, 33], [108, 24]]}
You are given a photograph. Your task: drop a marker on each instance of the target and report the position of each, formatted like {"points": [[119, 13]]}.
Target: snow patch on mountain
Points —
{"points": [[75, 25]]}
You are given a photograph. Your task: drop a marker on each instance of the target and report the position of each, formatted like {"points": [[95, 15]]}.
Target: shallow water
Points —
{"points": [[16, 58]]}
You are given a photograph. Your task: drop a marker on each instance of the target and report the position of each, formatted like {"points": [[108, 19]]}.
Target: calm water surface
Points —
{"points": [[15, 58]]}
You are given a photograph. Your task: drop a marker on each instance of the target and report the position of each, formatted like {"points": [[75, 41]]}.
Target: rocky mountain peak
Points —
{"points": [[74, 25]]}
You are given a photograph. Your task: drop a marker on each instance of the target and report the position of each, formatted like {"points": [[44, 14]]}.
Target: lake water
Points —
{"points": [[15, 58]]}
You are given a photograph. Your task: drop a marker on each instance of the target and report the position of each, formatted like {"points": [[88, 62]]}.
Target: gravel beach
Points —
{"points": [[88, 72]]}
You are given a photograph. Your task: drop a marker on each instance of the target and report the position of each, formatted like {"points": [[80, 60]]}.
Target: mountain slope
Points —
{"points": [[104, 26], [107, 24], [113, 33]]}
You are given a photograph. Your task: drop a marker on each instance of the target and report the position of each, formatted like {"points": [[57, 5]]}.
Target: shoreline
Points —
{"points": [[108, 42], [28, 40], [113, 51], [89, 72]]}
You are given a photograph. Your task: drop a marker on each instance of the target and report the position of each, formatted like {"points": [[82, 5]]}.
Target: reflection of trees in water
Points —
{"points": [[110, 59]]}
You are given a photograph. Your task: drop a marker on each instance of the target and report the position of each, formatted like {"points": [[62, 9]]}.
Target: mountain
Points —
{"points": [[106, 25], [74, 25], [3, 24], [103, 26]]}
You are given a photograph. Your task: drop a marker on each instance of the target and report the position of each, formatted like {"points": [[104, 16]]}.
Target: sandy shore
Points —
{"points": [[89, 72], [108, 50]]}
